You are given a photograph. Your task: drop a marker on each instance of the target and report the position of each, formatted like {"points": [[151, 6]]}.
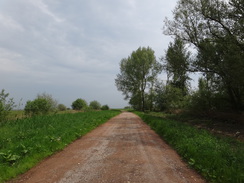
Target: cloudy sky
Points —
{"points": [[72, 48]]}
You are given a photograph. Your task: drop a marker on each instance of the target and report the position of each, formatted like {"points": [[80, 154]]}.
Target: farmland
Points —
{"points": [[25, 142]]}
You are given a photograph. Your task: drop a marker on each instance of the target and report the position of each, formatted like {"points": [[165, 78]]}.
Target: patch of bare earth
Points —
{"points": [[123, 150]]}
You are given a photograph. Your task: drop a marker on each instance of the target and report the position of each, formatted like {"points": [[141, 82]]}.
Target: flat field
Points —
{"points": [[25, 142]]}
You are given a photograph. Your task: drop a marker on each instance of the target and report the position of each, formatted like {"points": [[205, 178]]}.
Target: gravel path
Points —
{"points": [[123, 150]]}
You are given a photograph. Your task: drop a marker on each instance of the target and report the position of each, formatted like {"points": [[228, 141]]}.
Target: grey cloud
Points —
{"points": [[75, 46]]}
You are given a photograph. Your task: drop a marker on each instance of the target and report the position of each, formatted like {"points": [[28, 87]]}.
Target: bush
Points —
{"points": [[43, 104], [5, 105], [51, 101], [95, 105], [79, 104], [61, 107], [105, 107], [37, 106]]}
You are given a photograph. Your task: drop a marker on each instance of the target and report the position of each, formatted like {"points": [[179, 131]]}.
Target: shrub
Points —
{"points": [[105, 107], [95, 105], [79, 104], [53, 103], [37, 106], [5, 105], [61, 107]]}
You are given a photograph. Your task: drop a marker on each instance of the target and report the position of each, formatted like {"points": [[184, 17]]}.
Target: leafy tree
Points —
{"points": [[215, 28], [42, 104], [6, 105], [79, 104], [176, 64], [53, 103], [105, 107], [95, 105], [37, 106], [136, 73], [61, 107], [160, 97]]}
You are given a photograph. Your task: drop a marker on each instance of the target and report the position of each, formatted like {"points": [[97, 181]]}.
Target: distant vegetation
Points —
{"points": [[43, 104], [95, 105]]}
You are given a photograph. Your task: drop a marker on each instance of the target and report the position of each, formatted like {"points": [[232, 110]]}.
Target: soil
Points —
{"points": [[123, 150]]}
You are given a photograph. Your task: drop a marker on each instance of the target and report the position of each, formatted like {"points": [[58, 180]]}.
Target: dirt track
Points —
{"points": [[123, 150]]}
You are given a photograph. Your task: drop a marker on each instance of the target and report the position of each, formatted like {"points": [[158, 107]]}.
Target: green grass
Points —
{"points": [[218, 159], [25, 142]]}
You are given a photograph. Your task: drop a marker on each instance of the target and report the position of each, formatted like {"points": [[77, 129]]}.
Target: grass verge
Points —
{"points": [[25, 142], [218, 159]]}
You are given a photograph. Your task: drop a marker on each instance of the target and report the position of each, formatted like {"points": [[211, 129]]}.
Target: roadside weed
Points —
{"points": [[218, 159]]}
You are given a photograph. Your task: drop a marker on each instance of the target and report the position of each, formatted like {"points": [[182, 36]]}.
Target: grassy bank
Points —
{"points": [[218, 159], [25, 142]]}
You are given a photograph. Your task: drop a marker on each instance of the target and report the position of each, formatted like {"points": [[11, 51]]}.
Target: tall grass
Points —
{"points": [[218, 159], [25, 142]]}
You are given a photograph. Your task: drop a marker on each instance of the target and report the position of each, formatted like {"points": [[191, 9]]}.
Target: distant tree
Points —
{"points": [[37, 106], [6, 105], [95, 105], [53, 103], [79, 104], [136, 73], [42, 104], [176, 64], [105, 107], [61, 107]]}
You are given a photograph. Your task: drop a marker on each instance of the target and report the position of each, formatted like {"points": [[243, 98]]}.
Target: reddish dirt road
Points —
{"points": [[123, 150]]}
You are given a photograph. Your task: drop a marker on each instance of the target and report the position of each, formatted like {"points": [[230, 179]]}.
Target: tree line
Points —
{"points": [[214, 29], [44, 104]]}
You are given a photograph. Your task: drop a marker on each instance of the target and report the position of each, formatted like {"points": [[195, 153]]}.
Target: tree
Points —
{"points": [[37, 106], [62, 107], [176, 64], [6, 105], [79, 104], [215, 28], [105, 107], [136, 73], [95, 105], [53, 103], [42, 104]]}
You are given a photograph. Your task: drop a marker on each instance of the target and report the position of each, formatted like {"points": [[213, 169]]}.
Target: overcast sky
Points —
{"points": [[72, 48]]}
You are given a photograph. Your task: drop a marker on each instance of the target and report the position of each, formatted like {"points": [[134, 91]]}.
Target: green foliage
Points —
{"points": [[95, 105], [169, 97], [43, 104], [176, 64], [137, 73], [6, 105], [50, 100], [215, 29], [79, 104], [175, 98], [217, 159], [105, 107], [26, 142], [206, 99], [61, 107], [37, 106]]}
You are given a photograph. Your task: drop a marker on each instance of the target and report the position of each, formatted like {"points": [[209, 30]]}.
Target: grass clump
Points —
{"points": [[218, 159], [25, 142]]}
